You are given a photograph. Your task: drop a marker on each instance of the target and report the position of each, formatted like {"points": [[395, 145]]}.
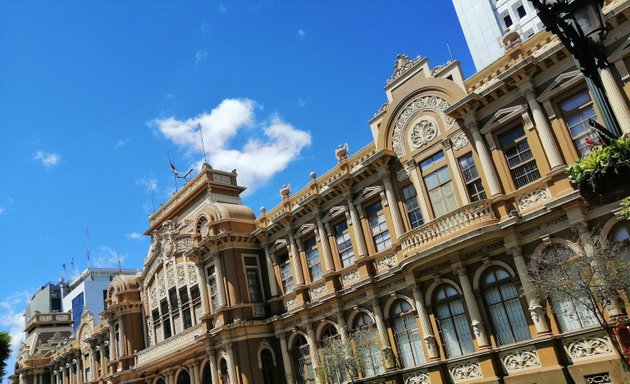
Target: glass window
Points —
{"points": [[214, 289], [452, 321], [253, 284], [406, 335], [431, 161], [521, 11], [344, 245], [507, 20], [312, 259], [302, 361], [504, 305], [411, 204], [367, 345], [166, 320], [441, 194], [474, 186], [519, 157], [286, 274], [576, 111], [378, 226]]}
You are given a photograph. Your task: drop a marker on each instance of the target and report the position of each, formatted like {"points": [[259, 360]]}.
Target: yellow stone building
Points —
{"points": [[421, 239]]}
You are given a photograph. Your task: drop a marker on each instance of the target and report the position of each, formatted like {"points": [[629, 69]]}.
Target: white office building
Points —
{"points": [[484, 22]]}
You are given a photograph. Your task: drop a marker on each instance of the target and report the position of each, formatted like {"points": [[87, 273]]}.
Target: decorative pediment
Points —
{"points": [[334, 212], [563, 82], [279, 244], [304, 229], [367, 193], [503, 116]]}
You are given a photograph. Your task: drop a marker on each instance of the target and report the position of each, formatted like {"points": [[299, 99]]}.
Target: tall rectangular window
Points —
{"points": [[185, 300], [214, 289], [312, 259], [253, 279], [195, 297], [286, 274], [439, 184], [411, 204], [344, 244], [474, 186], [519, 157], [166, 319], [378, 226], [576, 111]]}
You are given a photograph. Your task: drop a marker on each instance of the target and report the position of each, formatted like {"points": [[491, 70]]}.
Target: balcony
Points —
{"points": [[458, 222], [170, 345]]}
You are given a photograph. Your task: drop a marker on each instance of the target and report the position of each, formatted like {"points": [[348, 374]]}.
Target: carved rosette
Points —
{"points": [[518, 360], [533, 198], [459, 140], [422, 133], [386, 262], [586, 347], [418, 378], [465, 371], [427, 102], [349, 277]]}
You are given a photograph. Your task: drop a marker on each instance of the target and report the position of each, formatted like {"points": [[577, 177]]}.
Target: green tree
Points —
{"points": [[5, 351]]}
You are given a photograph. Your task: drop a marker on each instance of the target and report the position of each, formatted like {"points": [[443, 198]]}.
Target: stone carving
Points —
{"points": [[181, 275], [161, 288], [418, 378], [341, 153], [465, 371], [402, 65], [170, 345], [184, 244], [386, 262], [517, 360], [168, 233], [222, 179], [460, 140], [402, 174], [598, 378], [318, 290], [204, 230], [150, 330], [192, 274], [258, 310], [170, 277], [533, 198], [422, 133], [427, 102], [588, 347], [350, 277], [291, 303], [154, 300]]}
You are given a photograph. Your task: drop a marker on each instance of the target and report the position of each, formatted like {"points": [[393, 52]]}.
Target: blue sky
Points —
{"points": [[93, 95]]}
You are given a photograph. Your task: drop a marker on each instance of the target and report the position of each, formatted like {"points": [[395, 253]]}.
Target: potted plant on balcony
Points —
{"points": [[603, 175]]}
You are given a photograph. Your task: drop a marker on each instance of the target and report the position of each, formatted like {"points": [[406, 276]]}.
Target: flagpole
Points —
{"points": [[203, 147]]}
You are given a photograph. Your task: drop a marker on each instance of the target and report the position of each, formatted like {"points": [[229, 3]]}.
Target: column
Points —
{"points": [[214, 375], [547, 137], [286, 360], [102, 362], [457, 176], [356, 226], [231, 364], [391, 201], [296, 260], [486, 160], [617, 100], [271, 275], [312, 345], [382, 332], [193, 373], [220, 280], [425, 323], [122, 339], [323, 239], [113, 350], [471, 305], [203, 289], [343, 328], [536, 311], [412, 170]]}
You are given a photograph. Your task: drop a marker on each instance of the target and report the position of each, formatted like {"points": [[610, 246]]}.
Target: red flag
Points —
{"points": [[174, 169]]}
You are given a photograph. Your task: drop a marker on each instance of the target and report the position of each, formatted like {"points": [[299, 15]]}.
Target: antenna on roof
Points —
{"points": [[450, 54], [203, 147], [87, 246], [119, 264]]}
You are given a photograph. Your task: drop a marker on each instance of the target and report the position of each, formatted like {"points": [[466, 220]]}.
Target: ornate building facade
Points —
{"points": [[421, 239]]}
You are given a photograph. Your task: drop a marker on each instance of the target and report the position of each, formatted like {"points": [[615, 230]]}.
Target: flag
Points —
{"points": [[174, 169]]}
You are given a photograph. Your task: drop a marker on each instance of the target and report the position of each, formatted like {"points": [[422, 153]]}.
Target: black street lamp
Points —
{"points": [[580, 26]]}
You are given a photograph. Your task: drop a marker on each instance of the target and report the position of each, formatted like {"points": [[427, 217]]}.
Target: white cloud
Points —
{"points": [[257, 160], [121, 143], [200, 56], [134, 235], [105, 257], [12, 321], [301, 33], [47, 159], [149, 184], [221, 8]]}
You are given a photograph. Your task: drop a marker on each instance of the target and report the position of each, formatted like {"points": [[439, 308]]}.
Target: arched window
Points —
{"points": [[206, 375], [448, 307], [268, 369], [160, 381], [503, 303], [406, 335], [367, 345], [225, 374], [332, 349], [302, 363], [183, 377]]}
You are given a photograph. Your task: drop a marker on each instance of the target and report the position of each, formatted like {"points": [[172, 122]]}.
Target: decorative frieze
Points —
{"points": [[418, 378], [154, 299], [291, 303], [170, 345], [533, 198], [222, 179], [520, 359], [386, 262], [170, 277], [181, 275], [465, 371], [587, 346], [349, 277], [318, 290], [459, 140], [192, 274]]}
